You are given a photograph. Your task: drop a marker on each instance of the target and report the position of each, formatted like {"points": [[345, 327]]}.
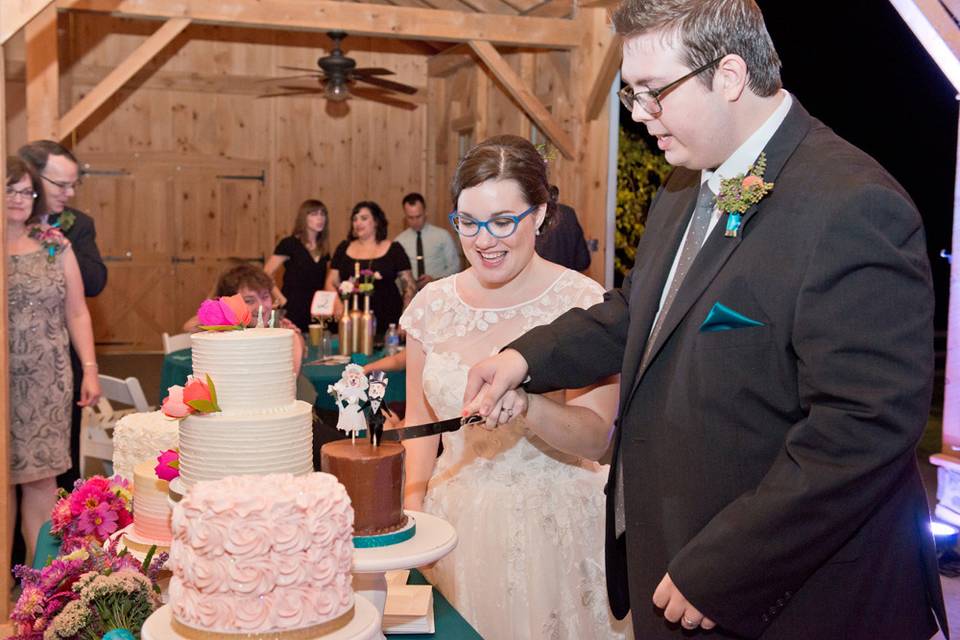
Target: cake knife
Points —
{"points": [[429, 429]]}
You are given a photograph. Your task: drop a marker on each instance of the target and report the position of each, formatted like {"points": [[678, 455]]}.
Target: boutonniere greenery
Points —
{"points": [[739, 193], [66, 220], [51, 239]]}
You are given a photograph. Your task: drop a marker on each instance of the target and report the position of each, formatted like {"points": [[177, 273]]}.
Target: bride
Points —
{"points": [[526, 498]]}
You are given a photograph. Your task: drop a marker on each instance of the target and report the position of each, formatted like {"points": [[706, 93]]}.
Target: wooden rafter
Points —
{"points": [[937, 30], [14, 14], [551, 9], [43, 75], [601, 86], [448, 61], [121, 74], [515, 86], [376, 20]]}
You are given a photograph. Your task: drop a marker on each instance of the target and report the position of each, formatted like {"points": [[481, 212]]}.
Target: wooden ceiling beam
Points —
{"points": [[14, 14], [601, 85], [515, 87], [550, 9], [371, 20], [447, 62], [121, 74], [43, 75], [936, 29]]}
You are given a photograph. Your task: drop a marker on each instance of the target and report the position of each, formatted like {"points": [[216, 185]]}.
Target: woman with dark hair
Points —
{"points": [[367, 250], [47, 312], [527, 498], [304, 255]]}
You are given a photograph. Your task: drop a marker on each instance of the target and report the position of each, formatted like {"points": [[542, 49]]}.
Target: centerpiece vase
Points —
{"points": [[356, 319], [368, 327], [345, 330]]}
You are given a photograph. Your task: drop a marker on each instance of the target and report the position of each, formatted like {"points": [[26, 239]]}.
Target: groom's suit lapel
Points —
{"points": [[718, 248]]}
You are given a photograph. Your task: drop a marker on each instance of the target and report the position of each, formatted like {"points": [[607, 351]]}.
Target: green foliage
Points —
{"points": [[640, 172]]}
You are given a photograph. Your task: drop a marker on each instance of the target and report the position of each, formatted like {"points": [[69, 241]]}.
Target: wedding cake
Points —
{"points": [[151, 509], [139, 437], [373, 478], [266, 555], [261, 428]]}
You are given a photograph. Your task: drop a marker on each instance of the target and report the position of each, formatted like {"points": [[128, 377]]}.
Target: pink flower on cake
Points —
{"points": [[237, 309], [173, 405], [211, 313], [168, 465], [227, 312]]}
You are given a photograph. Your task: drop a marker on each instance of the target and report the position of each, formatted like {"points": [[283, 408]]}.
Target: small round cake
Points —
{"points": [[141, 436], [151, 509], [373, 477]]}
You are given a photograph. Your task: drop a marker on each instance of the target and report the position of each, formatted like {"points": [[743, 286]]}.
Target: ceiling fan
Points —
{"points": [[339, 74]]}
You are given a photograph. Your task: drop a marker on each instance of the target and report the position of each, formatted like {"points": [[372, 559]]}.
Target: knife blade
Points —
{"points": [[429, 429]]}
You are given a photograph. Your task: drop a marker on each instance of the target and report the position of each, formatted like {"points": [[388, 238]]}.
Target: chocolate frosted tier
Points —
{"points": [[373, 477]]}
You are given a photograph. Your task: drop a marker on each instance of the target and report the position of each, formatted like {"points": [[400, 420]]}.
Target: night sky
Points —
{"points": [[855, 65]]}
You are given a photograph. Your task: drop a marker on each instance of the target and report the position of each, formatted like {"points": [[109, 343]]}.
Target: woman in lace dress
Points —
{"points": [[46, 310], [526, 499]]}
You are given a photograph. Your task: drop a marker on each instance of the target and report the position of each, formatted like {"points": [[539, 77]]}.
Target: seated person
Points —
{"points": [[254, 285]]}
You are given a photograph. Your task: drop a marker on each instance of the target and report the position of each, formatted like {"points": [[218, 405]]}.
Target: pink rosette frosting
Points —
{"points": [[262, 553]]}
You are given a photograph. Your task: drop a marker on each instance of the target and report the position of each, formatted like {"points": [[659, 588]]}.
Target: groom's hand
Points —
{"points": [[487, 383], [676, 608]]}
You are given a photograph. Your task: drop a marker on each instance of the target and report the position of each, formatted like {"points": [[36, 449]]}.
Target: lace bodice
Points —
{"points": [[455, 336]]}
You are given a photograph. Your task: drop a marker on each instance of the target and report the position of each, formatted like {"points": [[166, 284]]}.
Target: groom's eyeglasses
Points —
{"points": [[500, 226], [649, 99]]}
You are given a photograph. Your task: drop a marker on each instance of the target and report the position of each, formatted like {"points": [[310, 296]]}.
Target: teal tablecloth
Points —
{"points": [[178, 365], [449, 624]]}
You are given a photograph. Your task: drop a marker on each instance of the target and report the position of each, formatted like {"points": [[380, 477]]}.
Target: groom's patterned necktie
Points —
{"points": [[696, 234]]}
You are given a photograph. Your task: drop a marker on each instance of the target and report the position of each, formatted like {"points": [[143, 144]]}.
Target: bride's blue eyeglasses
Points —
{"points": [[501, 226]]}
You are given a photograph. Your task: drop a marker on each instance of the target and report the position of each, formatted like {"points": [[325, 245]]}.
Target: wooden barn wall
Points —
{"points": [[468, 102], [15, 94], [192, 170]]}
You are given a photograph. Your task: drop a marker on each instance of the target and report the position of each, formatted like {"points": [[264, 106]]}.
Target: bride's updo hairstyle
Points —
{"points": [[506, 158]]}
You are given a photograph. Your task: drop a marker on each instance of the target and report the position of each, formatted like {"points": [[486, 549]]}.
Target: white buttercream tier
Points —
{"points": [[141, 436], [252, 369], [218, 445], [151, 509]]}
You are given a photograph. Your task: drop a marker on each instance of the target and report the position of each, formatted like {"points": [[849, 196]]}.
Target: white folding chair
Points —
{"points": [[176, 342], [96, 423]]}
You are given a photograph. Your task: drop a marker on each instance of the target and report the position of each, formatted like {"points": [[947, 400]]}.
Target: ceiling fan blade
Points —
{"points": [[372, 71], [389, 84], [314, 70], [376, 95], [292, 91]]}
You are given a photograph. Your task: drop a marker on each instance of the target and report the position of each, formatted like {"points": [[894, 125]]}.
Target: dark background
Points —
{"points": [[855, 65]]}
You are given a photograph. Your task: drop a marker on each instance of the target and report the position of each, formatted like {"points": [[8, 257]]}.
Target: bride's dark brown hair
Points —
{"points": [[506, 158]]}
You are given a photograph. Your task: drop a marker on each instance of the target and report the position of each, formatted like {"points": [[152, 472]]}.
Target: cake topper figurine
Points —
{"points": [[374, 409], [351, 392]]}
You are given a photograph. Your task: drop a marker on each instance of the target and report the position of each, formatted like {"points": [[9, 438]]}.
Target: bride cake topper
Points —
{"points": [[351, 392]]}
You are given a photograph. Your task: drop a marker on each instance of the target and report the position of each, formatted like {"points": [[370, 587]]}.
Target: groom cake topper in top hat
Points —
{"points": [[376, 391]]}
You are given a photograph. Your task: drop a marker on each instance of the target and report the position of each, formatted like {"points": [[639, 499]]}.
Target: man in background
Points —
{"points": [[561, 239], [431, 250], [59, 171]]}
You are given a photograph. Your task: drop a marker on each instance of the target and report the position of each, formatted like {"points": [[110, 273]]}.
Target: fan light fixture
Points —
{"points": [[336, 91]]}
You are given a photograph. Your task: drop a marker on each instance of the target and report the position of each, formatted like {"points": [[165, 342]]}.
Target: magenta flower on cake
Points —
{"points": [[224, 313], [168, 465]]}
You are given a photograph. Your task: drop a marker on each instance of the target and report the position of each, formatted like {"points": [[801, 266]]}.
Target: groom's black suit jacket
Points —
{"points": [[771, 469]]}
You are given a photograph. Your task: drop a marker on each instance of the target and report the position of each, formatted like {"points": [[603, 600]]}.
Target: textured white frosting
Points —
{"points": [[221, 444], [151, 506], [141, 436], [262, 554], [252, 369]]}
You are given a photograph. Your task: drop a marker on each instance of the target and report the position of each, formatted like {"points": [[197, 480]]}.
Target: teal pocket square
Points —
{"points": [[723, 318]]}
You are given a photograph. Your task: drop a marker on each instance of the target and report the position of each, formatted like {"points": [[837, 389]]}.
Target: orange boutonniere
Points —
{"points": [[739, 193]]}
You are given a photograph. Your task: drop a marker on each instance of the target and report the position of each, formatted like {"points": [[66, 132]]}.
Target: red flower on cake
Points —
{"points": [[197, 396], [168, 465]]}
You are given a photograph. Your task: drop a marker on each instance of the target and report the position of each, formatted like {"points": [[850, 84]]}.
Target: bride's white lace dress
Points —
{"points": [[530, 519]]}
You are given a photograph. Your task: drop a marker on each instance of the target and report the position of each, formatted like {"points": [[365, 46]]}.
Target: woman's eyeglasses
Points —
{"points": [[26, 194], [500, 226]]}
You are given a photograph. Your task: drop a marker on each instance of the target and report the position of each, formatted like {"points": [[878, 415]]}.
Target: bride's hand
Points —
{"points": [[512, 404]]}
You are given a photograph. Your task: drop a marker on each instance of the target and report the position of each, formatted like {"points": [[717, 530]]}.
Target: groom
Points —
{"points": [[776, 361]]}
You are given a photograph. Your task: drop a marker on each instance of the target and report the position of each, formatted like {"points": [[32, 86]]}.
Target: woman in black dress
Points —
{"points": [[305, 256], [367, 246]]}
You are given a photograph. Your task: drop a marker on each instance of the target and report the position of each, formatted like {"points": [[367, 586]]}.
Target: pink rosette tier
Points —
{"points": [[262, 554]]}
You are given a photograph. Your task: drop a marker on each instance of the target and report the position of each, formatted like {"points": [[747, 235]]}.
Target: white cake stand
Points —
{"points": [[365, 625], [434, 539]]}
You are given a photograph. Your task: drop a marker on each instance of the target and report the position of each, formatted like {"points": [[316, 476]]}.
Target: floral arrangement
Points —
{"points": [[196, 397], [86, 594], [346, 289], [51, 239], [65, 220], [168, 465], [227, 313], [739, 193], [97, 508], [367, 276]]}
